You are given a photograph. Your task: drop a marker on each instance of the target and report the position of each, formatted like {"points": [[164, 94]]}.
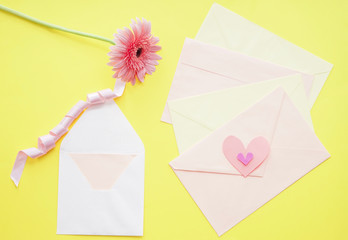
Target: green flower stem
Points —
{"points": [[46, 24]]}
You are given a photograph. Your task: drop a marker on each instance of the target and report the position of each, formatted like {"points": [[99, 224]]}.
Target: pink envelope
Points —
{"points": [[226, 198], [204, 68]]}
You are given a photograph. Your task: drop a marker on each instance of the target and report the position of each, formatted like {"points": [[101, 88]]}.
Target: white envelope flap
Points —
{"points": [[103, 130]]}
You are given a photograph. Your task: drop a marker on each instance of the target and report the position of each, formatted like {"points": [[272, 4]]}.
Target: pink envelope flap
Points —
{"points": [[214, 59], [227, 199], [204, 68], [267, 118]]}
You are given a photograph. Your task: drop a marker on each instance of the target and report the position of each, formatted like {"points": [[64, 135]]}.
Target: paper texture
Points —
{"points": [[204, 68], [226, 198], [225, 28], [104, 197], [196, 117]]}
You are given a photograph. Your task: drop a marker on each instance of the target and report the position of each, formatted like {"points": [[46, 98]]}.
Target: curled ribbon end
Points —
{"points": [[119, 87], [15, 181], [19, 164]]}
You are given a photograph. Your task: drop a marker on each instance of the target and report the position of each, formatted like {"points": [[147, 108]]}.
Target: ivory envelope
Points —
{"points": [[196, 117], [101, 175], [204, 68], [227, 29], [226, 198]]}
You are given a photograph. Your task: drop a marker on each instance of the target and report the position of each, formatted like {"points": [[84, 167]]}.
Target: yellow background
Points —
{"points": [[44, 72]]}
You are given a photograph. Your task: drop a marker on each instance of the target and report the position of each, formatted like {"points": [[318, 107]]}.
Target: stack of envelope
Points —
{"points": [[240, 107]]}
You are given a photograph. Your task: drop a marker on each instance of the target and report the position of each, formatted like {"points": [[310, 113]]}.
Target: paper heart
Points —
{"points": [[247, 159], [256, 153]]}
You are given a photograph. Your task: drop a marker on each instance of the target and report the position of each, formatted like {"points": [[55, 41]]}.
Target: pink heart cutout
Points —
{"points": [[255, 153]]}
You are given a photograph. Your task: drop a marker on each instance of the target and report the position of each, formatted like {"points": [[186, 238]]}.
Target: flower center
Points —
{"points": [[139, 51]]}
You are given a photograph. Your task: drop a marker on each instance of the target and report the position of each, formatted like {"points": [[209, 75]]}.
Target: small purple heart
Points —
{"points": [[247, 159]]}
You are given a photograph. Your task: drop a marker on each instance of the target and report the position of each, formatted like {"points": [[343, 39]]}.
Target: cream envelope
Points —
{"points": [[101, 175], [225, 28], [225, 198], [204, 68], [196, 117]]}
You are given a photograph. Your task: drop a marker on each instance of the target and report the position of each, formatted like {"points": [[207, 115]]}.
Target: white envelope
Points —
{"points": [[196, 117], [101, 176], [225, 28]]}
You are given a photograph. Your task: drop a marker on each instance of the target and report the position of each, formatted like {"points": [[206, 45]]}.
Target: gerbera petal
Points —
{"points": [[155, 48], [145, 27], [152, 62], [120, 37], [113, 48], [124, 36], [129, 76], [154, 56], [129, 35], [119, 64], [123, 72], [141, 27], [141, 74], [148, 28], [116, 54], [154, 40], [135, 29], [112, 63], [149, 69], [115, 75]]}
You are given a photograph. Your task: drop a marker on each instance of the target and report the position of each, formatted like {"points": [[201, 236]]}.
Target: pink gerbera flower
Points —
{"points": [[134, 54]]}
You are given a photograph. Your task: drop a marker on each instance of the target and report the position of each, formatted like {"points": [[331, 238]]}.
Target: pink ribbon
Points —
{"points": [[47, 142]]}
